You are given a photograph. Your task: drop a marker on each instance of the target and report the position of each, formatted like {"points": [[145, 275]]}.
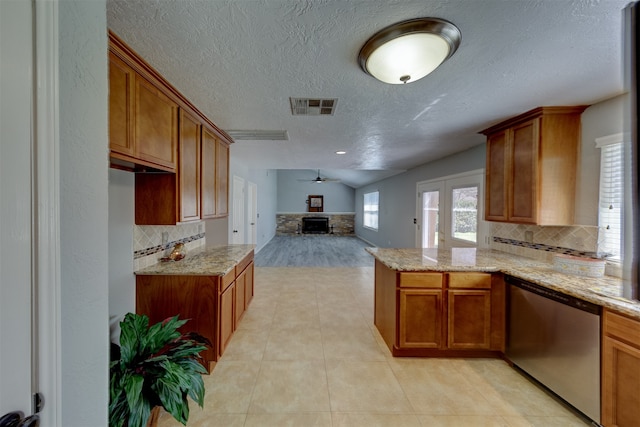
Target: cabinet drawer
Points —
{"points": [[470, 280], [227, 280], [420, 280], [622, 327], [244, 263]]}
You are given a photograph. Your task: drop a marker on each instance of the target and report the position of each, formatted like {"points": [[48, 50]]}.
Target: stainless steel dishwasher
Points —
{"points": [[555, 338]]}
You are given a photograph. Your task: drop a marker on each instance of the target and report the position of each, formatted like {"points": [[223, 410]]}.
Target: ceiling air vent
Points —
{"points": [[259, 135], [313, 106]]}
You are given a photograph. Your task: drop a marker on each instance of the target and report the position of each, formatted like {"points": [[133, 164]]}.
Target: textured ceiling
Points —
{"points": [[240, 61]]}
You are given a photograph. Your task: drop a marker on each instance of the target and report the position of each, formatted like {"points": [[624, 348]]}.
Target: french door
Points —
{"points": [[450, 211]]}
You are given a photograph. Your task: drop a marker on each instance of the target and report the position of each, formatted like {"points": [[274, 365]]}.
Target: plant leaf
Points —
{"points": [[131, 329]]}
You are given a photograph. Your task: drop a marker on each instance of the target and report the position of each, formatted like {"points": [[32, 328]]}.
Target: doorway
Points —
{"points": [[449, 212], [29, 295], [252, 209], [238, 214]]}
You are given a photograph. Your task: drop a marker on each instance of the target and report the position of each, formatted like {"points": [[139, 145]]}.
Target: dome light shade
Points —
{"points": [[409, 50]]}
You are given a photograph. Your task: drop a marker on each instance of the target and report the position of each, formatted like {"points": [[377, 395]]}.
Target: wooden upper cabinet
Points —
{"points": [[531, 167], [496, 190], [155, 125], [121, 78], [189, 168], [222, 179], [143, 121], [208, 175]]}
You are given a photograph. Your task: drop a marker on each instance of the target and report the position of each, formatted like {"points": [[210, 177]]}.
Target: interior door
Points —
{"points": [[16, 208], [238, 215], [252, 209]]}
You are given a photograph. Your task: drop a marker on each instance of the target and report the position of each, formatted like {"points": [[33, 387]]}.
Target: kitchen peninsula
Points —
{"points": [[212, 287], [443, 303]]}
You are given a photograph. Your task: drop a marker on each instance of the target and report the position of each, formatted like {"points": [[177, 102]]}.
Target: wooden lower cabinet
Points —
{"points": [[469, 316], [240, 294], [620, 371], [214, 304], [420, 318], [440, 314], [227, 317]]}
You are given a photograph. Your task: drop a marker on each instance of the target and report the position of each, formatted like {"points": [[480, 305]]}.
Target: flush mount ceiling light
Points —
{"points": [[409, 50]]}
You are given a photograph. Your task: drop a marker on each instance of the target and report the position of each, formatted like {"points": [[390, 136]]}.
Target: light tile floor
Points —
{"points": [[306, 353]]}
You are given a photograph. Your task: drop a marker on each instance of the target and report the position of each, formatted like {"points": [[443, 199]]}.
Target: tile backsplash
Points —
{"points": [[543, 242], [148, 246]]}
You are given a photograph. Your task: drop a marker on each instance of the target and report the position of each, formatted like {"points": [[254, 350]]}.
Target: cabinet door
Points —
{"points": [[469, 319], [189, 168], [226, 317], [239, 304], [155, 124], [222, 179], [121, 81], [621, 384], [420, 318], [208, 175], [496, 185], [248, 290], [523, 189]]}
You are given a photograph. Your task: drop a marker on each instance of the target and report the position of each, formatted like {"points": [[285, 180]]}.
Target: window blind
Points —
{"points": [[611, 204]]}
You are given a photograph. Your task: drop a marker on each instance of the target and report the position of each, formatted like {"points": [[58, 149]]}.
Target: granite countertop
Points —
{"points": [[605, 291], [206, 261]]}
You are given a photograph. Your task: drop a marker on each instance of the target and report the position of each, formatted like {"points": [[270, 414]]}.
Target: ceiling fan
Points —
{"points": [[319, 180]]}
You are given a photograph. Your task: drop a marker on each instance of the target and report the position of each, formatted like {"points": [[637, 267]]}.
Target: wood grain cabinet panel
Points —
{"points": [[190, 297], [208, 175], [469, 316], [222, 179], [121, 78], [248, 289], [420, 318], [188, 197], [227, 316], [496, 198], [531, 167], [155, 125], [420, 280], [153, 128], [239, 304], [620, 371], [436, 314], [214, 304]]}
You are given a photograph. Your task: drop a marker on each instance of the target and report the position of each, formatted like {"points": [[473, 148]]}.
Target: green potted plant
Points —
{"points": [[155, 366]]}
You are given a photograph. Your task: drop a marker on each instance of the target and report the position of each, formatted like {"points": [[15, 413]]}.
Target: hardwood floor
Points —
{"points": [[314, 250]]}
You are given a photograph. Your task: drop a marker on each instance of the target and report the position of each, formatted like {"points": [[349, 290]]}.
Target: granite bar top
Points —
{"points": [[207, 261], [605, 291]]}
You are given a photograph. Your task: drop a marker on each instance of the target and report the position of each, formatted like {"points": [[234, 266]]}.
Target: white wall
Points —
{"points": [[601, 119], [292, 193], [83, 125], [398, 198], [122, 283], [266, 181]]}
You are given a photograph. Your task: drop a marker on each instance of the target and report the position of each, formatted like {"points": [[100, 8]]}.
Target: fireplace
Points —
{"points": [[315, 224]]}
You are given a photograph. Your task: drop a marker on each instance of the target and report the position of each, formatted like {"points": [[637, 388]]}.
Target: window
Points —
{"points": [[371, 202], [464, 213], [611, 204]]}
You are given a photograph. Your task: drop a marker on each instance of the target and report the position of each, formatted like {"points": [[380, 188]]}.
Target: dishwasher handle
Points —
{"points": [[552, 294]]}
